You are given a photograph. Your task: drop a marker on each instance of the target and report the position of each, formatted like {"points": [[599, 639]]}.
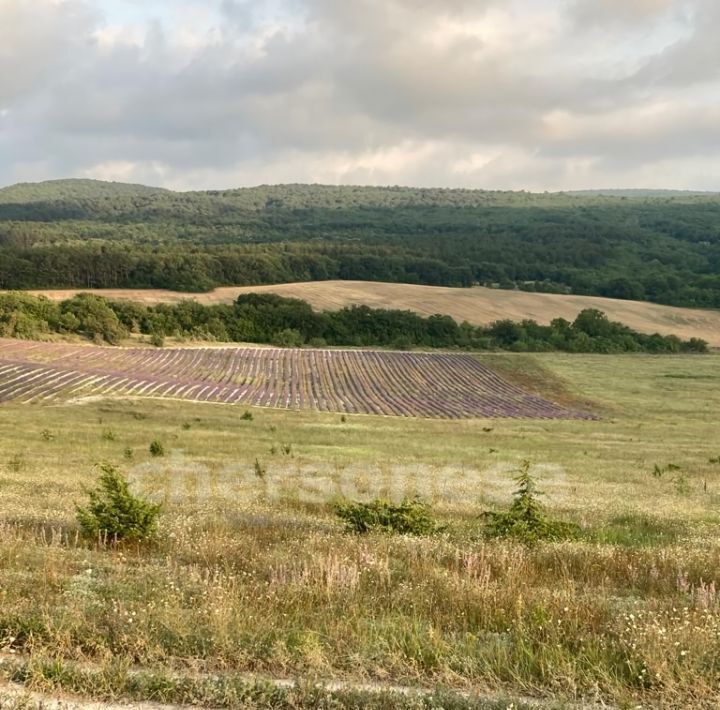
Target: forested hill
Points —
{"points": [[656, 246]]}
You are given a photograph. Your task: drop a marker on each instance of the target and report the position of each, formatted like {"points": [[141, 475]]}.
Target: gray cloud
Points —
{"points": [[691, 60], [457, 92], [36, 42], [593, 14]]}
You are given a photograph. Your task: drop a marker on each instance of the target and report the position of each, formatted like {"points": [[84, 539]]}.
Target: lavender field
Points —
{"points": [[364, 382]]}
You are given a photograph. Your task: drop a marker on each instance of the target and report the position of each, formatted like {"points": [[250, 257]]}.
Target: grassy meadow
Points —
{"points": [[253, 578]]}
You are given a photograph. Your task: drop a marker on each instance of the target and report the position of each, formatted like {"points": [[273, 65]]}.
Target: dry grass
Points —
{"points": [[255, 574], [478, 306]]}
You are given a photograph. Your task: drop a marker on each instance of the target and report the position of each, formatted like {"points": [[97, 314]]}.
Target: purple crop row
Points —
{"points": [[351, 381]]}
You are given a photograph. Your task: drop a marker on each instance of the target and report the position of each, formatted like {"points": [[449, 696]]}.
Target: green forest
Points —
{"points": [[288, 322], [660, 247]]}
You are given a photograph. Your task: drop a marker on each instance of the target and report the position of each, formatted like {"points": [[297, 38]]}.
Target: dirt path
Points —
{"points": [[14, 695]]}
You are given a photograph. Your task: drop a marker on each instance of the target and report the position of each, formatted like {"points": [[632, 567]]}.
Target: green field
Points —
{"points": [[253, 578]]}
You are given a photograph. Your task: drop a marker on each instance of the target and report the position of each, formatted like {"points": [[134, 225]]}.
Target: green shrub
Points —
{"points": [[660, 471], [260, 470], [526, 519], [411, 517], [157, 449], [94, 317], [288, 338], [157, 340], [247, 416], [114, 513]]}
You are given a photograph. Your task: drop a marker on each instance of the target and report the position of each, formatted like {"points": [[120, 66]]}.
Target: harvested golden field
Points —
{"points": [[478, 305]]}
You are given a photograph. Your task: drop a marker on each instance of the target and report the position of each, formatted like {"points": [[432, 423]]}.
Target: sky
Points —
{"points": [[492, 94]]}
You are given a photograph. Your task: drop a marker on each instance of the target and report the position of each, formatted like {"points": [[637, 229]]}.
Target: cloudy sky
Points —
{"points": [[511, 94]]}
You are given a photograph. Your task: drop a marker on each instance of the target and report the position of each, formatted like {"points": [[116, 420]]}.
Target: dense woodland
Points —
{"points": [[287, 322], [662, 247]]}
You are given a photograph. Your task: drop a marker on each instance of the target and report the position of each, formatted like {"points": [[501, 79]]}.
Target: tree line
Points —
{"points": [[197, 269], [289, 322]]}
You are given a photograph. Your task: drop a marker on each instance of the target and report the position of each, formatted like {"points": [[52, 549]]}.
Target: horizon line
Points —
{"points": [[596, 190]]}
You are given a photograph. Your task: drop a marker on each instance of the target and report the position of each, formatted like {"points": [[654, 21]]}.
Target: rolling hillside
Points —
{"points": [[478, 306]]}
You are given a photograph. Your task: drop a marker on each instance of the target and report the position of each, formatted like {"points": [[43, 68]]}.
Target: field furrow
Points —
{"points": [[436, 385]]}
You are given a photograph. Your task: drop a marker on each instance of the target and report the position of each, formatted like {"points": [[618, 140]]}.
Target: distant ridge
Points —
{"points": [[639, 192], [300, 194], [73, 188]]}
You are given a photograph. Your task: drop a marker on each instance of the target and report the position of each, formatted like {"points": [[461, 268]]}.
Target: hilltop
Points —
{"points": [[305, 196], [24, 193]]}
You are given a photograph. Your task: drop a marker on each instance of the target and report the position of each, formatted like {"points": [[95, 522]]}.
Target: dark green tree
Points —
{"points": [[114, 514]]}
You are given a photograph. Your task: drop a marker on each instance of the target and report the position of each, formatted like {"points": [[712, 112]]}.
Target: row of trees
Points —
{"points": [[201, 269], [268, 318]]}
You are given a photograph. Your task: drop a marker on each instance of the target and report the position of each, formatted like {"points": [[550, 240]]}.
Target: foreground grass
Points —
{"points": [[252, 573]]}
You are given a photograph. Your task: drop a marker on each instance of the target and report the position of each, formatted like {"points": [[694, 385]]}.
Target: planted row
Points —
{"points": [[363, 382]]}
